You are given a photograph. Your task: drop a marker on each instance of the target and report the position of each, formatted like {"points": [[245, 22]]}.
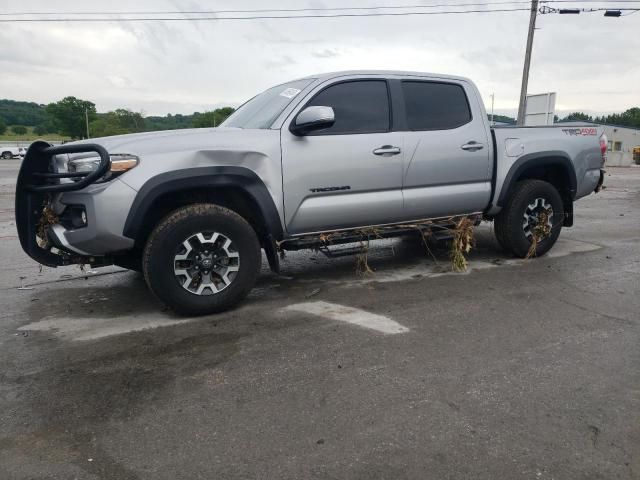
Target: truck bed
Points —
{"points": [[515, 146]]}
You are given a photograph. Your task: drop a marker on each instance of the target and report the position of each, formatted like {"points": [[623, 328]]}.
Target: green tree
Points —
{"points": [[21, 113], [628, 118], [577, 117], [211, 119], [19, 130], [502, 118], [118, 122], [69, 115], [3, 127], [45, 127]]}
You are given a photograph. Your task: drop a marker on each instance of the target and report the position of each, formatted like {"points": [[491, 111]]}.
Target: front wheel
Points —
{"points": [[530, 222], [201, 259], [7, 155]]}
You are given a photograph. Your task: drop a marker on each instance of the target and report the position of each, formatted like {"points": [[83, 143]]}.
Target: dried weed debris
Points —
{"points": [[541, 231], [462, 243], [459, 228], [48, 217]]}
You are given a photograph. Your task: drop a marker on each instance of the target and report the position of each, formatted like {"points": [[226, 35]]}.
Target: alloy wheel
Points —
{"points": [[206, 263]]}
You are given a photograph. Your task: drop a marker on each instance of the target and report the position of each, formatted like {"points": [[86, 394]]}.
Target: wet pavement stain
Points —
{"points": [[70, 402]]}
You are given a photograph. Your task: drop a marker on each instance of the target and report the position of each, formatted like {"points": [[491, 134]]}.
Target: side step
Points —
{"points": [[437, 230], [341, 252], [441, 234]]}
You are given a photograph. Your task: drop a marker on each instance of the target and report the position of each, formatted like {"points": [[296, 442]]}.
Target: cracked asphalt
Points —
{"points": [[514, 370]]}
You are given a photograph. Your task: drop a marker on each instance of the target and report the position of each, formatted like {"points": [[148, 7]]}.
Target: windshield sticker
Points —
{"points": [[290, 92]]}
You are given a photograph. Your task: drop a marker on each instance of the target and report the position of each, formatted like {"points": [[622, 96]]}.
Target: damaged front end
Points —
{"points": [[38, 182]]}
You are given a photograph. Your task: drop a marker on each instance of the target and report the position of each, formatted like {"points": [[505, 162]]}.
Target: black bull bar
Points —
{"points": [[37, 180]]}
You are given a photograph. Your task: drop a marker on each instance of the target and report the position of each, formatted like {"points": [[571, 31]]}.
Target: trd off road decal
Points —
{"points": [[580, 131]]}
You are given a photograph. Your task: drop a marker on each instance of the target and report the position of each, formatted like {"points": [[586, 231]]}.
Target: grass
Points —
{"points": [[30, 136]]}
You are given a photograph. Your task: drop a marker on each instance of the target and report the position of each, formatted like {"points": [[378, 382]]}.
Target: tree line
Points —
{"points": [[628, 118], [68, 117]]}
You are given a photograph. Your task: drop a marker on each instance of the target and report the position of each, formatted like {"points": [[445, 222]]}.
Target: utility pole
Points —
{"points": [[493, 97], [86, 119], [527, 63]]}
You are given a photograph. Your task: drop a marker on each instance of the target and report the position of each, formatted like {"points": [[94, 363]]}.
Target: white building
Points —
{"points": [[624, 143]]}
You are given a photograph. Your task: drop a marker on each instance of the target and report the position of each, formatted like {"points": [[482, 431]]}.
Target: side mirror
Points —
{"points": [[311, 119]]}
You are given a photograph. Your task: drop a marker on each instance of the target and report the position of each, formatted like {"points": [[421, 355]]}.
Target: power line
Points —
{"points": [[271, 10], [254, 17], [310, 9], [590, 1], [546, 10], [290, 10]]}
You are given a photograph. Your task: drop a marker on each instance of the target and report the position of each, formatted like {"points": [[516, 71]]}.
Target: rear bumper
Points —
{"points": [[44, 202]]}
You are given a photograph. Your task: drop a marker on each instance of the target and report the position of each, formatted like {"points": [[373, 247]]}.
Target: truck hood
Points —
{"points": [[162, 152], [174, 141]]}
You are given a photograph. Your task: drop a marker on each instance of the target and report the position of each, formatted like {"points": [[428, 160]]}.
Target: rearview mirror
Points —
{"points": [[311, 119]]}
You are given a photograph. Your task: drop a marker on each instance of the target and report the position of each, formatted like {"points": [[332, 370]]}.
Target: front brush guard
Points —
{"points": [[38, 179]]}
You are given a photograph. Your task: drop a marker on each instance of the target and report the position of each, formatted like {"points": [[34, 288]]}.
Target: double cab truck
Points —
{"points": [[340, 153]]}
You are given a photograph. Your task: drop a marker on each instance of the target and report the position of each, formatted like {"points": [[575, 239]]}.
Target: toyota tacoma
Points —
{"points": [[323, 160]]}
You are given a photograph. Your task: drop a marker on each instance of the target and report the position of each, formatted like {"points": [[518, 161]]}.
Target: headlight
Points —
{"points": [[120, 163]]}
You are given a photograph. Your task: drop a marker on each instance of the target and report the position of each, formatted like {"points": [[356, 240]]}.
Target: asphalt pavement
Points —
{"points": [[517, 369]]}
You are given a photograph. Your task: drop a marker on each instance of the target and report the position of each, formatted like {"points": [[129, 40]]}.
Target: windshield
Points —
{"points": [[262, 110]]}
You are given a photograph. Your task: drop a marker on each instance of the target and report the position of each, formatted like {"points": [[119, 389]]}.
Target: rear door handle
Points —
{"points": [[472, 146], [387, 151]]}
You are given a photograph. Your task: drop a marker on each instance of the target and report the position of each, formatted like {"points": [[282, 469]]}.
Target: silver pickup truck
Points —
{"points": [[328, 156]]}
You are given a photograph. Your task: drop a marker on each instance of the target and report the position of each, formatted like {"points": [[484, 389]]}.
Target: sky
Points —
{"points": [[591, 61]]}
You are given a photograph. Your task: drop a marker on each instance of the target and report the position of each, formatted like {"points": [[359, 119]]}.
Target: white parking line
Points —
{"points": [[93, 328], [351, 315]]}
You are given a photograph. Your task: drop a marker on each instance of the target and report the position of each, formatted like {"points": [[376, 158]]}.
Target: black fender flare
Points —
{"points": [[198, 177], [535, 160]]}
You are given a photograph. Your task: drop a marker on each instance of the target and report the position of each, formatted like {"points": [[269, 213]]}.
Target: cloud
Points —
{"points": [[326, 53], [161, 67], [280, 61]]}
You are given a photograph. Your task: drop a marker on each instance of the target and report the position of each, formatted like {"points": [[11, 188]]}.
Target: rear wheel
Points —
{"points": [[7, 155], [202, 259], [530, 222]]}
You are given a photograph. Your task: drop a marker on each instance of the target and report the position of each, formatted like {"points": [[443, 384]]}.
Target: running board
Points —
{"points": [[342, 252], [437, 230]]}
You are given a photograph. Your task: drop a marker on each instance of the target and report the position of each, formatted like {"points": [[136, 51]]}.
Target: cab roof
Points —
{"points": [[402, 73]]}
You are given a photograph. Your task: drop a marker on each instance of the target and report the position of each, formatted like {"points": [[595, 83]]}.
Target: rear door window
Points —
{"points": [[435, 105], [360, 106]]}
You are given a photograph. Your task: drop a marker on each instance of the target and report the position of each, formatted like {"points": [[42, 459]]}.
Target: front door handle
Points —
{"points": [[472, 146], [387, 151]]}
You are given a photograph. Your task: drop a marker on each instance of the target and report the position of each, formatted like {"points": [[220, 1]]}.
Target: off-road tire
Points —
{"points": [[508, 223], [498, 230], [158, 258]]}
